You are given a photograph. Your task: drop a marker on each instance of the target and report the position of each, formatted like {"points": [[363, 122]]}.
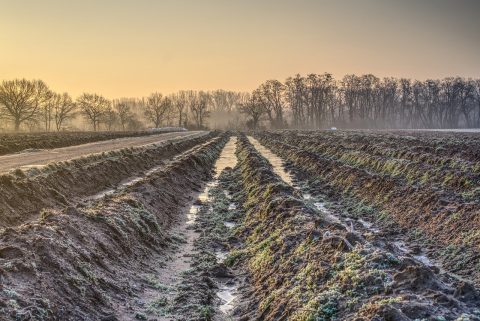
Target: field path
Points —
{"points": [[45, 156]]}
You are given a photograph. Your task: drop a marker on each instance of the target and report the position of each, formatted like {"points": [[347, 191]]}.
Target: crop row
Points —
{"points": [[23, 194], [302, 266], [81, 263], [458, 175], [465, 146], [448, 221]]}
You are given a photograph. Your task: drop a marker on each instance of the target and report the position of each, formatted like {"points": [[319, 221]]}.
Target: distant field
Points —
{"points": [[13, 143]]}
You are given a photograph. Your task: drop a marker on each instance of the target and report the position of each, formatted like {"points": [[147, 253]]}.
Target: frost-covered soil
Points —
{"points": [[269, 226]]}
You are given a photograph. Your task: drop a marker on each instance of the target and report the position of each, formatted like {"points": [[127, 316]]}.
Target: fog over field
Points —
{"points": [[310, 102]]}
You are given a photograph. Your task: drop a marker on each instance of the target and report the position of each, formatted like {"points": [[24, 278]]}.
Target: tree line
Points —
{"points": [[311, 102], [319, 101], [31, 104]]}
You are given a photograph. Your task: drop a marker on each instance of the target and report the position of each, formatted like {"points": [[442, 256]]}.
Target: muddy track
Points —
{"points": [[86, 261], [24, 194], [427, 211], [304, 265], [14, 143], [197, 283], [39, 158]]}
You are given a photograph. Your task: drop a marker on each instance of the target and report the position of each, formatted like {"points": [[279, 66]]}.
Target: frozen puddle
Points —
{"points": [[192, 214], [229, 224], [320, 206], [226, 294], [420, 257], [126, 183], [221, 256], [226, 159], [368, 226], [274, 160], [401, 246], [424, 259], [204, 197], [195, 208]]}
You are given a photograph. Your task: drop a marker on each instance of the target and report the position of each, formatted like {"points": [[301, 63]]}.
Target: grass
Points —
{"points": [[159, 306], [206, 312], [153, 282], [10, 293]]}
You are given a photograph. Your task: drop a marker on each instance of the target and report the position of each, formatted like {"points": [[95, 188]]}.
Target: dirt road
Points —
{"points": [[42, 157]]}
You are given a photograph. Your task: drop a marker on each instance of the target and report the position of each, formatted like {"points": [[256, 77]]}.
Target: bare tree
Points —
{"points": [[124, 113], [199, 108], [271, 95], [157, 108], [180, 102], [319, 98], [223, 100], [253, 107], [44, 100], [476, 94], [2, 116], [64, 108], [93, 107], [22, 99], [295, 95], [405, 108], [110, 118]]}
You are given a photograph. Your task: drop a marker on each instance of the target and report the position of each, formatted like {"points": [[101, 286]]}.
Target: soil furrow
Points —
{"points": [[429, 213], [274, 226], [84, 262], [23, 195], [302, 265]]}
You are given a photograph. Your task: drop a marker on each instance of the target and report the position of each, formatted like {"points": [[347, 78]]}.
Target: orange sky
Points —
{"points": [[132, 48]]}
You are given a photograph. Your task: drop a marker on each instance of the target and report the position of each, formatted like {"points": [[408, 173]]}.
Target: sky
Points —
{"points": [[130, 48]]}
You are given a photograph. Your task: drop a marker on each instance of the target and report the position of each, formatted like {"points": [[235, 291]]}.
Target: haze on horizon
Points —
{"points": [[132, 48]]}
